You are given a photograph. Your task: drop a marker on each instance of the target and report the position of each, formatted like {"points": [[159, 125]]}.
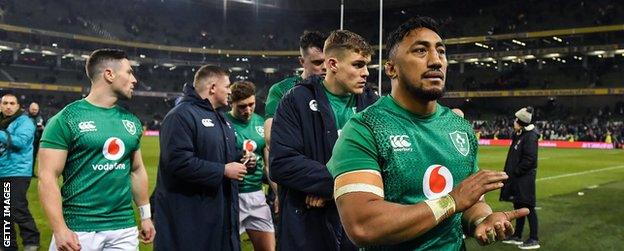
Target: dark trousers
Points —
{"points": [[35, 151], [532, 221], [15, 212]]}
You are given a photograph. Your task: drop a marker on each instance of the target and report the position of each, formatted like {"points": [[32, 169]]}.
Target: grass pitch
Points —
{"points": [[567, 220]]}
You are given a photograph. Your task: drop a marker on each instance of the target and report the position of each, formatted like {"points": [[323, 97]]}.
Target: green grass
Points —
{"points": [[567, 221]]}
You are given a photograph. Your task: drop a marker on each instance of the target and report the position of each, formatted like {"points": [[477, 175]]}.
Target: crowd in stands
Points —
{"points": [[203, 25], [211, 27], [207, 25], [597, 73], [600, 73], [595, 125]]}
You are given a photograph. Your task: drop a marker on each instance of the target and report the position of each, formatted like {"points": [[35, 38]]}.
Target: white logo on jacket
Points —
{"points": [[313, 105], [207, 122]]}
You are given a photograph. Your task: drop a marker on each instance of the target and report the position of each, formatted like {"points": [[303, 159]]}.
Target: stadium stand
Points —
{"points": [[206, 25]]}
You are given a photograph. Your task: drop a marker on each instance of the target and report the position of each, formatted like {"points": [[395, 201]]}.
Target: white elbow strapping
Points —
{"points": [[358, 187]]}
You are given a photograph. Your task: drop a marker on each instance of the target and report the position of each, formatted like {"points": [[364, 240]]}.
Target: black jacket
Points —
{"points": [[303, 135], [195, 206], [521, 167]]}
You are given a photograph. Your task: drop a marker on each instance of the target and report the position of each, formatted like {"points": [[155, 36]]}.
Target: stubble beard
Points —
{"points": [[426, 95]]}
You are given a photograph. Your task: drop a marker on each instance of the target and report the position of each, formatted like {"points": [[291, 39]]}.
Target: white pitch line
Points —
{"points": [[580, 173]]}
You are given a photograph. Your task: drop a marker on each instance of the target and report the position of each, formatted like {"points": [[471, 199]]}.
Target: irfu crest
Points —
{"points": [[260, 130], [129, 125], [460, 141]]}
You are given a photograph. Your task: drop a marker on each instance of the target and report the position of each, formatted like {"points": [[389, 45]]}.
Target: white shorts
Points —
{"points": [[254, 212], [126, 239]]}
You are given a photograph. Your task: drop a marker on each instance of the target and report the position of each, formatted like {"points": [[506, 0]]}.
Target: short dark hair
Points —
{"points": [[10, 94], [100, 56], [399, 34], [242, 90], [208, 71], [341, 40], [310, 39]]}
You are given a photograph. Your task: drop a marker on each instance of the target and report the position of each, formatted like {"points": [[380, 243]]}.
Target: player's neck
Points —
{"points": [[102, 98], [304, 75], [416, 106], [213, 102], [331, 84]]}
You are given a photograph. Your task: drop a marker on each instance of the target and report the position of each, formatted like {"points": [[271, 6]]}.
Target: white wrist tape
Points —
{"points": [[358, 187], [442, 207], [145, 212]]}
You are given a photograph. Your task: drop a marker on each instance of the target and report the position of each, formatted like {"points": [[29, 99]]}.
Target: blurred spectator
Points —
{"points": [[16, 157], [35, 115]]}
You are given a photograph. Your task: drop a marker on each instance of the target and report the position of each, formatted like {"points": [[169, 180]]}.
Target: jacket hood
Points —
{"points": [[312, 80], [191, 96]]}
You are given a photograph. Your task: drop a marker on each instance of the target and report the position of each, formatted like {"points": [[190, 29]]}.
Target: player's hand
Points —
{"points": [[497, 226], [314, 201], [469, 191], [147, 232], [249, 160], [235, 171], [276, 205], [66, 240]]}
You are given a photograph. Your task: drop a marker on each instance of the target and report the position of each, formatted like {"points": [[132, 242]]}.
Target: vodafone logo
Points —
{"points": [[250, 145], [437, 182], [113, 148]]}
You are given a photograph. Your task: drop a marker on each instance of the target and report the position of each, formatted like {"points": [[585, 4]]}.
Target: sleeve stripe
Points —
{"points": [[358, 187]]}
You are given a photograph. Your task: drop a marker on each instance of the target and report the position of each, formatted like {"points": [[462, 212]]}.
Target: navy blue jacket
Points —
{"points": [[521, 166], [195, 205], [303, 135]]}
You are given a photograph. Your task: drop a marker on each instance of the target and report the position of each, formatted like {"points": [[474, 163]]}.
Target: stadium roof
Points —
{"points": [[317, 5], [349, 4]]}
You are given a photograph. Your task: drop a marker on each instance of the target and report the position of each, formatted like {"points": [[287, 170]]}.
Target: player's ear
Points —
{"points": [[390, 69], [212, 88], [301, 60], [331, 64], [108, 74]]}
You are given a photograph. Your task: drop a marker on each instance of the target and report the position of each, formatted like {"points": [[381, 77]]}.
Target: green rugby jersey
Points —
{"points": [[343, 107], [276, 92], [96, 190], [250, 136], [419, 158]]}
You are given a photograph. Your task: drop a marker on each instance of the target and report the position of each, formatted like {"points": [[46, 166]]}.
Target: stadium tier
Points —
{"points": [[189, 93]]}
